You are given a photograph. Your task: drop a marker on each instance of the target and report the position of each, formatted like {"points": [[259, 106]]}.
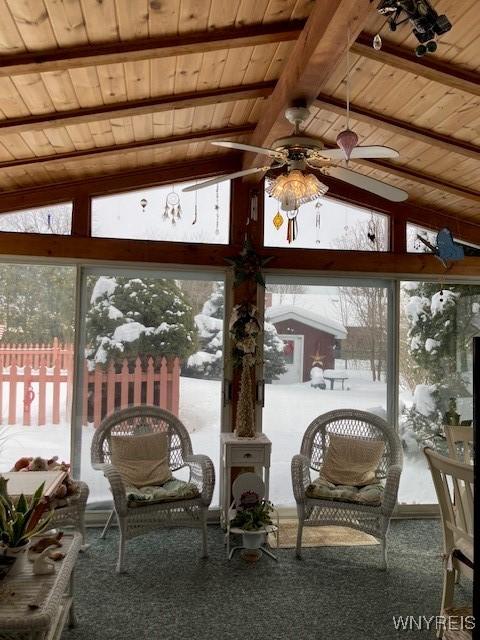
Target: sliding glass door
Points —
{"points": [[149, 337], [326, 347]]}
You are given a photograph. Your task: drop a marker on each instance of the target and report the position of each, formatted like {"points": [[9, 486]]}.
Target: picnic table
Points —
{"points": [[333, 375]]}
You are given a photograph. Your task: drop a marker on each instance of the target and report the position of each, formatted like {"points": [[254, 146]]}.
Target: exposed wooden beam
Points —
{"points": [[311, 62], [73, 248], [117, 182], [429, 67], [400, 127], [102, 53], [129, 147], [39, 122], [406, 173]]}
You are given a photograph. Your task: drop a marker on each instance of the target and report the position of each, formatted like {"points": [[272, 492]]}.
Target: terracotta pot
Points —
{"points": [[21, 557]]}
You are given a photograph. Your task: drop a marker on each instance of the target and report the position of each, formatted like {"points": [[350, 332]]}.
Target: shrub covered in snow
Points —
{"points": [[208, 361], [130, 317], [441, 324]]}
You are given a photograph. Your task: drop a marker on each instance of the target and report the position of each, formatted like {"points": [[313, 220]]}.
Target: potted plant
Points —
{"points": [[253, 517], [19, 521]]}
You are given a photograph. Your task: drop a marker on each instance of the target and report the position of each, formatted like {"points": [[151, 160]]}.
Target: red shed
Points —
{"points": [[307, 336]]}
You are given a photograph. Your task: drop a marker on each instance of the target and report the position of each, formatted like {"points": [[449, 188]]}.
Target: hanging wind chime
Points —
{"points": [[292, 225], [195, 208], [318, 220], [371, 234], [217, 211]]}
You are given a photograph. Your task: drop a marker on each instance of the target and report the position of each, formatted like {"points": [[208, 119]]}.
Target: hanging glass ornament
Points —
{"points": [[195, 208], [377, 42], [345, 226], [318, 220], [277, 220], [143, 204], [217, 211], [292, 226], [371, 235]]}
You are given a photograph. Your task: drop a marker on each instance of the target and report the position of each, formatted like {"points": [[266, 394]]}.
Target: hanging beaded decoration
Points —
{"points": [[195, 208], [173, 208], [292, 226], [143, 204], [371, 235], [277, 220], [318, 220], [217, 212], [49, 221]]}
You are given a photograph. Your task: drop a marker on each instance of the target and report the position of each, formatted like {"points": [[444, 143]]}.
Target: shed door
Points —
{"points": [[293, 351]]}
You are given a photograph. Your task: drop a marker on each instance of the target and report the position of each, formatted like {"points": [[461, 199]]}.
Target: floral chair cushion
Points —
{"points": [[371, 494], [168, 492]]}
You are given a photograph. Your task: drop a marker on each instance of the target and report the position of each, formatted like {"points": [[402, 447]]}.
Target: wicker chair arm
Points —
{"points": [[300, 476], [117, 487], [391, 489], [202, 474]]}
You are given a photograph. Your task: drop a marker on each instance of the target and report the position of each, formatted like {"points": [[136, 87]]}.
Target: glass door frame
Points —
{"points": [[82, 305]]}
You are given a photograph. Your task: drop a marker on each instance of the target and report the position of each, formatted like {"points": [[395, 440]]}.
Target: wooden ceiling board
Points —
{"points": [[86, 84], [67, 21], [100, 20], [33, 24], [11, 103], [10, 38]]}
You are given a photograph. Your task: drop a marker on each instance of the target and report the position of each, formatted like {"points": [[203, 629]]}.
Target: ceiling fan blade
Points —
{"points": [[369, 184], [230, 176], [374, 151], [271, 153]]}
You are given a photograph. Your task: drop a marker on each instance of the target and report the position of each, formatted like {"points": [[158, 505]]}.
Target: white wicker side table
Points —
{"points": [[36, 607]]}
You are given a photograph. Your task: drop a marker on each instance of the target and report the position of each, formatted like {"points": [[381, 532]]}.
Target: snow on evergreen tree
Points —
{"points": [[207, 362], [439, 336], [273, 356], [131, 317]]}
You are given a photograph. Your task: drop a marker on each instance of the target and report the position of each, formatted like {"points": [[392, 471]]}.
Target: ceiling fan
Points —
{"points": [[300, 153]]}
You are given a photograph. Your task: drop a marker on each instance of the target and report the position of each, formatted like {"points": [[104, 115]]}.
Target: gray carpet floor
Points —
{"points": [[334, 593]]}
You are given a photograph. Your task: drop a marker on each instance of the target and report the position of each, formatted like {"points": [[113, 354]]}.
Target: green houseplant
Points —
{"points": [[252, 516], [20, 520]]}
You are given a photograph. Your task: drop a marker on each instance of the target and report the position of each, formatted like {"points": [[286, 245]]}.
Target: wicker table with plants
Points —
{"points": [[33, 600]]}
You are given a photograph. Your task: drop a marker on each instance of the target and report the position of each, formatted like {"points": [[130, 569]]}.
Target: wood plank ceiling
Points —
{"points": [[92, 87]]}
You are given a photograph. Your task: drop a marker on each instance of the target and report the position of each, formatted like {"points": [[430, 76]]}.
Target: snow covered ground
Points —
{"points": [[288, 411]]}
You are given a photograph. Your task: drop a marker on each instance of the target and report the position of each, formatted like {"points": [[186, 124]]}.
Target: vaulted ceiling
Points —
{"points": [[94, 87]]}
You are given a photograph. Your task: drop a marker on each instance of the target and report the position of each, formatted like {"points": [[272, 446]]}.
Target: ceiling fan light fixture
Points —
{"points": [[347, 140], [295, 188]]}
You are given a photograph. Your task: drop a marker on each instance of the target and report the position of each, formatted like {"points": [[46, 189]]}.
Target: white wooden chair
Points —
{"points": [[140, 518], [451, 479], [371, 519], [460, 442]]}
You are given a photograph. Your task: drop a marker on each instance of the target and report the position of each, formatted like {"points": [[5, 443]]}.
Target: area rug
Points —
{"points": [[329, 536]]}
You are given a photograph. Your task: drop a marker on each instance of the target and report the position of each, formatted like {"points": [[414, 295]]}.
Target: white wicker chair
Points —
{"points": [[137, 520], [374, 520]]}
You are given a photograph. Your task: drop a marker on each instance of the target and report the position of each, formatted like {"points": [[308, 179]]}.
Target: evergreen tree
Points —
{"points": [[273, 357], [131, 317], [207, 362], [440, 330], [37, 303]]}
